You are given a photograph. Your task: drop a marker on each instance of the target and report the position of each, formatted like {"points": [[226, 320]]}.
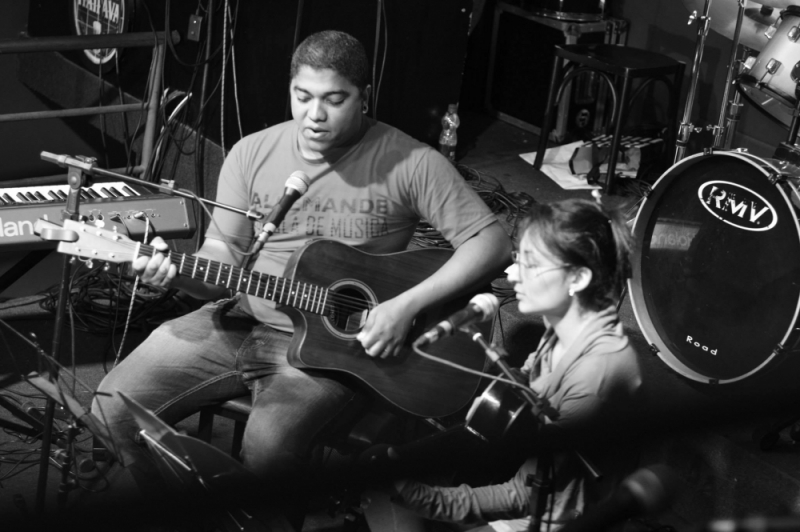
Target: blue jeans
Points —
{"points": [[217, 353]]}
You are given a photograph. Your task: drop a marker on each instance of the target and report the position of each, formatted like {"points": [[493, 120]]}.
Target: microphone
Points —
{"points": [[482, 307], [65, 161], [296, 186], [648, 490]]}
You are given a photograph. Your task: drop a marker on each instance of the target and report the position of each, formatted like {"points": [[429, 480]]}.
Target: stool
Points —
{"points": [[364, 426], [618, 66]]}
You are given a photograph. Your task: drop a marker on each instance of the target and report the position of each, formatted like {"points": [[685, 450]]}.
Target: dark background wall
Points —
{"points": [[431, 59], [419, 48]]}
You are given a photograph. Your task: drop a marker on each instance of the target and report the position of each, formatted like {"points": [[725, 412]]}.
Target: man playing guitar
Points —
{"points": [[370, 185]]}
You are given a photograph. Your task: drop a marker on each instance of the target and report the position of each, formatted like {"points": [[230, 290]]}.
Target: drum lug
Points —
{"points": [[779, 350], [773, 65], [654, 349], [775, 178], [771, 31]]}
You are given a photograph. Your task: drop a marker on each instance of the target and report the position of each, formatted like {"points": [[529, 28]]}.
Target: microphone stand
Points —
{"points": [[78, 170], [75, 179], [88, 166], [540, 482]]}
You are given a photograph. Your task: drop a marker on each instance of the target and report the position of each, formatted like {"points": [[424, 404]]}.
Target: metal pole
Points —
{"points": [[686, 126], [84, 42], [719, 129], [152, 108]]}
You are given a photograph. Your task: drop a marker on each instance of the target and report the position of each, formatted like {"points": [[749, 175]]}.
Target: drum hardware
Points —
{"points": [[575, 10], [722, 135], [788, 151], [756, 22], [769, 78], [686, 128]]}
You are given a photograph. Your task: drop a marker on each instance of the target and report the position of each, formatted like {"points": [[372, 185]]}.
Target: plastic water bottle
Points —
{"points": [[449, 138]]}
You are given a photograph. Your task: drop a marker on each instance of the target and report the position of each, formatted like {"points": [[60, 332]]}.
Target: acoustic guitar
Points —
{"points": [[327, 290]]}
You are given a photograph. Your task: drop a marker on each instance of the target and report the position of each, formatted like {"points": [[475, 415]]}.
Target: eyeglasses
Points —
{"points": [[516, 256]]}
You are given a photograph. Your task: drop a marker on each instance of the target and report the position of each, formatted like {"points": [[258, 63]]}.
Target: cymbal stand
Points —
{"points": [[724, 135], [75, 179], [686, 127]]}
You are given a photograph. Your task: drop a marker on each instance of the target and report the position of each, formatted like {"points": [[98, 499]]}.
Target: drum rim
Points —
{"points": [[568, 16], [745, 81], [636, 289]]}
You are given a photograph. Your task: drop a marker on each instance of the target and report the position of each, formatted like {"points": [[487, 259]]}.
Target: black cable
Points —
{"points": [[97, 295], [174, 52]]}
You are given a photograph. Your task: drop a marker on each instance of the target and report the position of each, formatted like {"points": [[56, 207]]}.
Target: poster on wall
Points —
{"points": [[101, 17]]}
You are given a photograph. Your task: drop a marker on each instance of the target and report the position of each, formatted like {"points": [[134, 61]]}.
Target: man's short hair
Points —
{"points": [[335, 50]]}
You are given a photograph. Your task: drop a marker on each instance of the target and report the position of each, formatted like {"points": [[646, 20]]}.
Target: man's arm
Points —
{"points": [[158, 271], [475, 262]]}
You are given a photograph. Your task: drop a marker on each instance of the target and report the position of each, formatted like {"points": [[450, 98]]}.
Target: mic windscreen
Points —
{"points": [[488, 305], [299, 181]]}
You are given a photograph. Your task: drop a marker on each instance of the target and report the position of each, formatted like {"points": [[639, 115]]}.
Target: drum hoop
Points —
{"points": [[563, 15], [637, 290], [748, 79]]}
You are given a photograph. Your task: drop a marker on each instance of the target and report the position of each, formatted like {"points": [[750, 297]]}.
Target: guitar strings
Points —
{"points": [[344, 301]]}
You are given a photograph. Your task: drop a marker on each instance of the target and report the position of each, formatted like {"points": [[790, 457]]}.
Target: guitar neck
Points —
{"points": [[303, 296]]}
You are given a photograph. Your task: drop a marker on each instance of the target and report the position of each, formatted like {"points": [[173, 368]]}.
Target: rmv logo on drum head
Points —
{"points": [[737, 206]]}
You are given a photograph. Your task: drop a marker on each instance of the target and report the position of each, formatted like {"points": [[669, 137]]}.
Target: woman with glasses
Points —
{"points": [[570, 268]]}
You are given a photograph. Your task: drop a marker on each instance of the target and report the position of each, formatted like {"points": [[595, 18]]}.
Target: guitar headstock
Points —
{"points": [[88, 241]]}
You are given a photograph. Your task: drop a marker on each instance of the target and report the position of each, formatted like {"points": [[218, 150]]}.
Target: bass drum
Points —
{"points": [[716, 273]]}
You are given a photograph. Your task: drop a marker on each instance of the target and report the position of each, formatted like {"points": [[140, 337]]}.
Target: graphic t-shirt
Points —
{"points": [[371, 196]]}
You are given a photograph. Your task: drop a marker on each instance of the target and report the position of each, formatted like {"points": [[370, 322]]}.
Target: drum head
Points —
{"points": [[716, 279]]}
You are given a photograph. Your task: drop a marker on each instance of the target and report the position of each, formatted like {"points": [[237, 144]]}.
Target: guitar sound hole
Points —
{"points": [[348, 312]]}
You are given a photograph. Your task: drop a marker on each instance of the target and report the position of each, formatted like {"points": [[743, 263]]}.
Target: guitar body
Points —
{"points": [[419, 386], [327, 290], [500, 412]]}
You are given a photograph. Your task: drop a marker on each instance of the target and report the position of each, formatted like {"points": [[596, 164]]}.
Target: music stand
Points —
{"points": [[208, 478]]}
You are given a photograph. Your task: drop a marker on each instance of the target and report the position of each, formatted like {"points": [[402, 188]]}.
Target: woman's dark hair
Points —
{"points": [[337, 51], [583, 233]]}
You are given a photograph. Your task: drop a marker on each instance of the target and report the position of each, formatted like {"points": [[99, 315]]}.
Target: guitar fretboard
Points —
{"points": [[303, 296]]}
